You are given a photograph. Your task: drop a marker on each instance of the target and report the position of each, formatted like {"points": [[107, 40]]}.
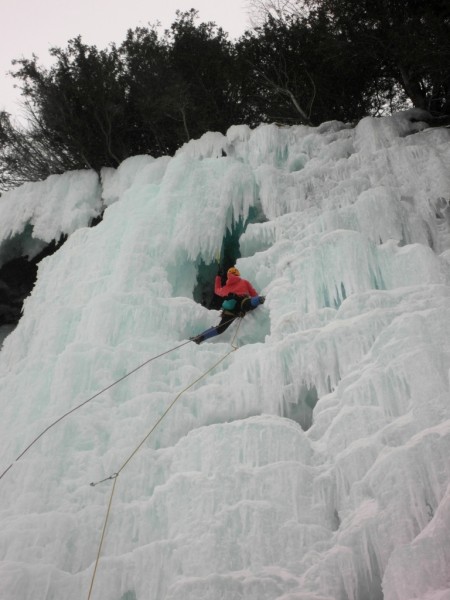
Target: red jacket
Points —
{"points": [[234, 285]]}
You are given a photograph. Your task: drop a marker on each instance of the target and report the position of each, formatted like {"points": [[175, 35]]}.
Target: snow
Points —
{"points": [[37, 213], [310, 463]]}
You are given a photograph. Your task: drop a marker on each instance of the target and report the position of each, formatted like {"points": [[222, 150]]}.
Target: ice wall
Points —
{"points": [[37, 213], [309, 464]]}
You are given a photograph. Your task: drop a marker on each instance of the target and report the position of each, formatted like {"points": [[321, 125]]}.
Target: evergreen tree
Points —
{"points": [[204, 61], [301, 71], [408, 39]]}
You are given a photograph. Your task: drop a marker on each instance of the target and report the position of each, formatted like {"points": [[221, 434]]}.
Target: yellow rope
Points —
{"points": [[38, 437], [103, 536], [116, 475]]}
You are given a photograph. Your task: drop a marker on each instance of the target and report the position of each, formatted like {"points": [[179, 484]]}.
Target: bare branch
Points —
{"points": [[285, 91], [260, 10]]}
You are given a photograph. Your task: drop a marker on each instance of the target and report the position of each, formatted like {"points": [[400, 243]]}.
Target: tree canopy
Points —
{"points": [[306, 62]]}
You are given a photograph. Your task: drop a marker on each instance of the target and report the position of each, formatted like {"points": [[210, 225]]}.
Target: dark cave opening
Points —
{"points": [[18, 274], [17, 279], [203, 292]]}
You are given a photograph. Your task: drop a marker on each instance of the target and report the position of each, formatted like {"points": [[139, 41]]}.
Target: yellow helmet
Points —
{"points": [[233, 271]]}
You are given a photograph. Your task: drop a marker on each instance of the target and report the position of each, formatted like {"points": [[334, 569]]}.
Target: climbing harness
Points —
{"points": [[115, 476], [234, 305], [88, 400]]}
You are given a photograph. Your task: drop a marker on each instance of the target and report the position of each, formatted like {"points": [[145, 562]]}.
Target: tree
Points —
{"points": [[149, 95], [409, 39], [301, 71], [28, 154], [78, 102], [261, 10], [204, 61], [309, 61], [149, 84]]}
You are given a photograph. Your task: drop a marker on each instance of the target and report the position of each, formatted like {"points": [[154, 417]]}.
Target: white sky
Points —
{"points": [[33, 26]]}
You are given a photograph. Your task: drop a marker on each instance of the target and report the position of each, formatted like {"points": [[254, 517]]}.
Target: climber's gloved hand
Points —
{"points": [[256, 301], [221, 271]]}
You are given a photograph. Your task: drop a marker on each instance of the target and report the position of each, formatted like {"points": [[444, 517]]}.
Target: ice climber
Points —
{"points": [[239, 298]]}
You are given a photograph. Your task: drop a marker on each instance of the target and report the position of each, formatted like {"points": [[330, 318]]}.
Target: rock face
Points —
{"points": [[17, 279]]}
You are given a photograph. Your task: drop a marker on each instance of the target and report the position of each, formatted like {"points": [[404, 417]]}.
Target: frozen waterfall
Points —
{"points": [[313, 462]]}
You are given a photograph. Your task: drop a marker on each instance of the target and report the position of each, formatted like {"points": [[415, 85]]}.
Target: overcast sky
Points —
{"points": [[33, 26]]}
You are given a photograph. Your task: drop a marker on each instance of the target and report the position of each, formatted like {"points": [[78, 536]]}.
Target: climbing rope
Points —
{"points": [[114, 476], [89, 400], [92, 398]]}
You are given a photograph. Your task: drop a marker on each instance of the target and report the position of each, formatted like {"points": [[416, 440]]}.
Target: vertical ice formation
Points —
{"points": [[311, 464], [37, 213], [34, 221]]}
